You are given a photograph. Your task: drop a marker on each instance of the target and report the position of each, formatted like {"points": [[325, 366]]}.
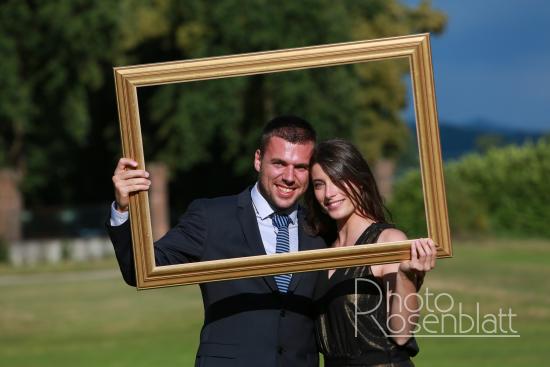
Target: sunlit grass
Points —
{"points": [[57, 316], [496, 275]]}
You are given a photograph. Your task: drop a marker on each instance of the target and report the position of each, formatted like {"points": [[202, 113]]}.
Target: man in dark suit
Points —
{"points": [[264, 321]]}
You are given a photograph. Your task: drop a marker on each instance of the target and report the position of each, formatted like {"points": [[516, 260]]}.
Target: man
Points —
{"points": [[264, 321]]}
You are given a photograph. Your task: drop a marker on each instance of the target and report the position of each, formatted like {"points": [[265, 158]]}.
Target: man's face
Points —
{"points": [[283, 171]]}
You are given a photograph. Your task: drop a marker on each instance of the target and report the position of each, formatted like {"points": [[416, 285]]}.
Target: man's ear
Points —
{"points": [[257, 160]]}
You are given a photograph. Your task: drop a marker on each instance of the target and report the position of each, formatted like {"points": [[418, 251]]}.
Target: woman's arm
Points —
{"points": [[402, 281]]}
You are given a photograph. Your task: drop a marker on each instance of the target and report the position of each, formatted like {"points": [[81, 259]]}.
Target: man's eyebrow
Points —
{"points": [[285, 163]]}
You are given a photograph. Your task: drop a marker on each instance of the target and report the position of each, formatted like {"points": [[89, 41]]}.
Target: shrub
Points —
{"points": [[502, 192]]}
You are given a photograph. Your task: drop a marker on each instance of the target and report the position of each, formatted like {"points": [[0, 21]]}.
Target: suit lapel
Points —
{"points": [[249, 226]]}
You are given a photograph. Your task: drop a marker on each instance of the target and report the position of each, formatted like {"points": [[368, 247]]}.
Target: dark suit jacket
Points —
{"points": [[247, 321]]}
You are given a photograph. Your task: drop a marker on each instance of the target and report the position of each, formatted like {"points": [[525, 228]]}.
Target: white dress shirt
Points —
{"points": [[267, 230]]}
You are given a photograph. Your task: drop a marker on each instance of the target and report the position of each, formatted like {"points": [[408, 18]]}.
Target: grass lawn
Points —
{"points": [[52, 317], [508, 274]]}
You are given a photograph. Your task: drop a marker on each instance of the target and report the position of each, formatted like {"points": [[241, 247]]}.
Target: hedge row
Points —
{"points": [[504, 192]]}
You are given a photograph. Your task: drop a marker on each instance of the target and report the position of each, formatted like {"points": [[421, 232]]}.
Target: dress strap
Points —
{"points": [[372, 232]]}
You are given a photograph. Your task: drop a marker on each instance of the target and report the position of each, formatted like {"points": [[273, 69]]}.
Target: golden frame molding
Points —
{"points": [[416, 48]]}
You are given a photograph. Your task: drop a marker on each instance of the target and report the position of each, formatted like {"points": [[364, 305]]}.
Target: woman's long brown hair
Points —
{"points": [[349, 171]]}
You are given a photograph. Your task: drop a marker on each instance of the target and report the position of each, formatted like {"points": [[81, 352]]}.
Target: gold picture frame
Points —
{"points": [[416, 48]]}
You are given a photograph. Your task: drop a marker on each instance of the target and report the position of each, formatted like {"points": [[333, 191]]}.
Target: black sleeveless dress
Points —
{"points": [[349, 327]]}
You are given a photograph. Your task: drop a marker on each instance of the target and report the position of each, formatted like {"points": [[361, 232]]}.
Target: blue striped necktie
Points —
{"points": [[283, 245]]}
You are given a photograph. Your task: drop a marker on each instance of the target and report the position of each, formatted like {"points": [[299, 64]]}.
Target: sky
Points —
{"points": [[492, 63]]}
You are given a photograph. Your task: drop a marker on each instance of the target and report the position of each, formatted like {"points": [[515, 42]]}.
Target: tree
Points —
{"points": [[382, 135], [53, 60]]}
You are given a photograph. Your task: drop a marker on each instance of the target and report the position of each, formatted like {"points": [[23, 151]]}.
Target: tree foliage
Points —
{"points": [[56, 56], [57, 109], [383, 95], [221, 119]]}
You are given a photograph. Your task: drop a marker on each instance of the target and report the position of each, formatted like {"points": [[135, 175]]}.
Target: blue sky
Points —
{"points": [[492, 63]]}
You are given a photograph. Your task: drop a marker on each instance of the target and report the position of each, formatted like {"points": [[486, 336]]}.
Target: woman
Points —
{"points": [[358, 323]]}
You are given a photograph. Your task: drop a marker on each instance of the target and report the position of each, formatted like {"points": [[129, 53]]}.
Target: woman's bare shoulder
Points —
{"points": [[392, 235], [388, 235]]}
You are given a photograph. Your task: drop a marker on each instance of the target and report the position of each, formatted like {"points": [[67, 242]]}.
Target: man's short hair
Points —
{"points": [[290, 128]]}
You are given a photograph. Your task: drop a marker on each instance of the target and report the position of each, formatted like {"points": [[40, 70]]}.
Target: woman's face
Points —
{"points": [[331, 198]]}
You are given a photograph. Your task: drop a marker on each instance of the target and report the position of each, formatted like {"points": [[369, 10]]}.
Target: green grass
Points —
{"points": [[508, 274], [99, 322], [62, 317]]}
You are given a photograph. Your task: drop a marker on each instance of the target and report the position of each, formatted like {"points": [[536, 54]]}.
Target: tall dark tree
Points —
{"points": [[382, 134], [55, 58]]}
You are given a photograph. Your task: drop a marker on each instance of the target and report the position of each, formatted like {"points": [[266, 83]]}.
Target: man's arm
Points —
{"points": [[122, 242], [183, 243], [126, 180]]}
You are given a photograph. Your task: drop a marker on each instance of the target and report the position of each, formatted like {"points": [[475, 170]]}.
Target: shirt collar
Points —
{"points": [[264, 210]]}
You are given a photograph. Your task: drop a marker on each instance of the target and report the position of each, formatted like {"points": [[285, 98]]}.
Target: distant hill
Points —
{"points": [[457, 140]]}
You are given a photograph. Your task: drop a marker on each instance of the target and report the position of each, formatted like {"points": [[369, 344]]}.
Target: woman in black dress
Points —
{"points": [[358, 322]]}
